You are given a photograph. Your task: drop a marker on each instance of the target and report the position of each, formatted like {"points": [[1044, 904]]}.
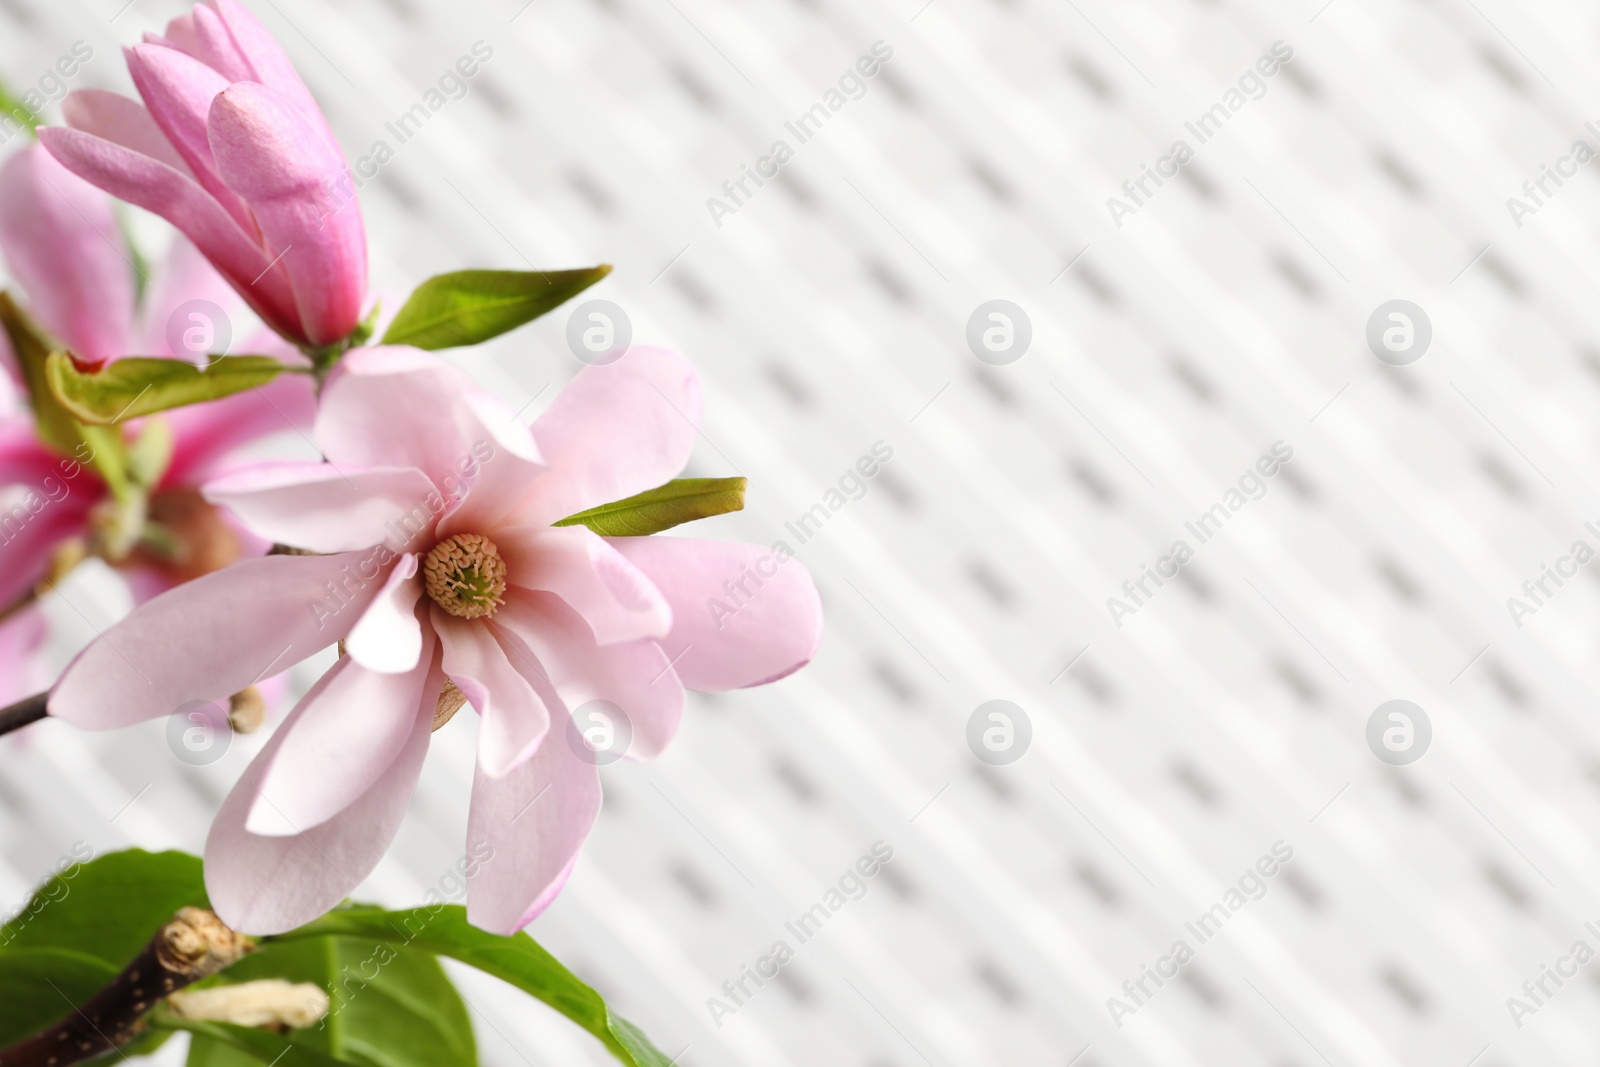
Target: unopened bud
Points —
{"points": [[198, 944], [247, 710], [450, 701], [271, 1002]]}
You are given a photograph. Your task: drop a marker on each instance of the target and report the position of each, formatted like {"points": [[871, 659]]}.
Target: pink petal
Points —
{"points": [[614, 431], [515, 719], [115, 118], [205, 434], [204, 35], [390, 405], [268, 885], [257, 50], [742, 615], [23, 460], [62, 243], [388, 638], [148, 183], [342, 744], [531, 824], [505, 464], [612, 595], [178, 90], [184, 276], [209, 638], [637, 677], [323, 507], [301, 193], [33, 523], [22, 638]]}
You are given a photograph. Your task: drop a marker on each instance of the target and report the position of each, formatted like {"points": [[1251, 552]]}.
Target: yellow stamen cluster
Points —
{"points": [[465, 575]]}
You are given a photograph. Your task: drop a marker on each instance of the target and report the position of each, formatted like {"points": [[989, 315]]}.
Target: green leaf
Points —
{"points": [[252, 1044], [41, 986], [55, 425], [518, 959], [389, 1007], [17, 110], [469, 307], [109, 908], [150, 453], [679, 501], [141, 385]]}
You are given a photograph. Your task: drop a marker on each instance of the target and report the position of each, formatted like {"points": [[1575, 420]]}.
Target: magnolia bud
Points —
{"points": [[271, 1002], [247, 710], [450, 701]]}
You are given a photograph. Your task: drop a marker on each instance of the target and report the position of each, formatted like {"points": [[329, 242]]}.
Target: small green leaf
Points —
{"points": [[140, 385], [150, 453], [17, 110], [518, 960], [41, 986], [96, 446], [388, 1007], [469, 307], [679, 501], [108, 908], [56, 427]]}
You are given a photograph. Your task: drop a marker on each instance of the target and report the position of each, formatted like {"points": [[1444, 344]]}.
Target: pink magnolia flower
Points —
{"points": [[435, 513], [235, 153], [60, 239], [63, 246]]}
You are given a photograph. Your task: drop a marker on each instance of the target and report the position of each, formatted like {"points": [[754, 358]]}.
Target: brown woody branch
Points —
{"points": [[194, 945], [25, 711]]}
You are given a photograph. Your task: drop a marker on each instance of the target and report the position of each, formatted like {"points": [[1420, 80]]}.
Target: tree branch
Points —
{"points": [[194, 945], [25, 711]]}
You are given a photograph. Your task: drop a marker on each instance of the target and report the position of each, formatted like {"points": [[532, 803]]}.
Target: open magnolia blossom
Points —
{"points": [[439, 562], [231, 149], [61, 242]]}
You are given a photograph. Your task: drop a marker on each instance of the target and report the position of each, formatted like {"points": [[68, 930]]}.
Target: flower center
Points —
{"points": [[465, 576]]}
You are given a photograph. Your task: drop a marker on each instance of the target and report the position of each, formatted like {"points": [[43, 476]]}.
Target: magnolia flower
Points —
{"points": [[60, 240], [235, 153], [63, 246], [441, 564]]}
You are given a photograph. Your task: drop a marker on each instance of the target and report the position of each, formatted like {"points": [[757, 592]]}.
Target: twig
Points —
{"points": [[194, 945], [25, 711]]}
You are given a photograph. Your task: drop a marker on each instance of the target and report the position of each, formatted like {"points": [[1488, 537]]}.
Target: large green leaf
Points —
{"points": [[237, 1046], [518, 960], [389, 1006], [108, 908], [41, 986], [679, 501], [142, 385], [469, 307]]}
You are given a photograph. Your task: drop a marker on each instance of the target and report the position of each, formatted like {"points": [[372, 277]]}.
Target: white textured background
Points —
{"points": [[1168, 354]]}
